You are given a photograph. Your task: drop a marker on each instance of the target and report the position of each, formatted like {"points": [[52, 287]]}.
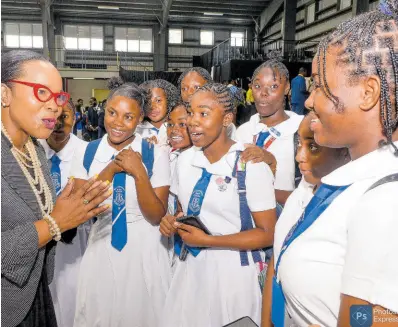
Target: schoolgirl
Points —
{"points": [[272, 128], [162, 96], [219, 283], [125, 270], [323, 267], [60, 148], [315, 162], [191, 80], [179, 141]]}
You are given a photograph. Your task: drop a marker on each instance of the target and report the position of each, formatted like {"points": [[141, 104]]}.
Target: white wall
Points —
{"points": [[82, 89]]}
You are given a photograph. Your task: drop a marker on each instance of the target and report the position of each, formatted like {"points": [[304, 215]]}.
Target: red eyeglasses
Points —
{"points": [[44, 94]]}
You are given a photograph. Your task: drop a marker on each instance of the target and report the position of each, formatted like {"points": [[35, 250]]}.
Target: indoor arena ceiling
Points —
{"points": [[229, 12]]}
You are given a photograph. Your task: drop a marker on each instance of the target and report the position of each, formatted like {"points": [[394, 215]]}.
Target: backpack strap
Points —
{"points": [[245, 214], [148, 156], [388, 179], [89, 155], [297, 173]]}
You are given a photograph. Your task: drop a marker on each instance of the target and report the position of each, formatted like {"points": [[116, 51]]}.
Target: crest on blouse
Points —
{"points": [[118, 198], [194, 204]]}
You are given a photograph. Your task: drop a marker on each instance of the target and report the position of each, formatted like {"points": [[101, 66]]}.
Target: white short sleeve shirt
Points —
{"points": [[282, 148], [66, 155], [350, 249], [220, 209], [103, 156], [146, 129]]}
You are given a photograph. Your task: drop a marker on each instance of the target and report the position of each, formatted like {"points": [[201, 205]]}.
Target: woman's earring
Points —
{"points": [[3, 105]]}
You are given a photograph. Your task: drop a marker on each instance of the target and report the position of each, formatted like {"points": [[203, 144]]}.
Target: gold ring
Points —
{"points": [[86, 201]]}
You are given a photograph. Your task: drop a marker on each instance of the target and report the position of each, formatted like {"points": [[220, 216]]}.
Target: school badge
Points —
{"points": [[221, 183], [118, 198], [194, 204]]}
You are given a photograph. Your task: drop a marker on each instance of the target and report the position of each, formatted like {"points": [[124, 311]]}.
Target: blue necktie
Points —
{"points": [[56, 173], [194, 207], [261, 138], [321, 200], [119, 220], [155, 129]]}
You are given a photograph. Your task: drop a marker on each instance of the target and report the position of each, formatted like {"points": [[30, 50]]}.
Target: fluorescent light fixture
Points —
{"points": [[83, 77], [108, 7], [213, 14]]}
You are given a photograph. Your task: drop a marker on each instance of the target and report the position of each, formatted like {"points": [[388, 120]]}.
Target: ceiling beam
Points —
{"points": [[166, 11], [202, 9], [269, 13], [228, 4]]}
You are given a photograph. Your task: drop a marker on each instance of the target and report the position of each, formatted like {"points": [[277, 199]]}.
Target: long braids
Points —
{"points": [[368, 45]]}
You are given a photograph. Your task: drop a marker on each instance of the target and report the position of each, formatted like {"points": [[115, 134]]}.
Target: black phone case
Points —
{"points": [[242, 322], [195, 222]]}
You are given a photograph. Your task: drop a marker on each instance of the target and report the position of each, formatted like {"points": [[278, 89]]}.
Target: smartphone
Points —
{"points": [[242, 322], [195, 222]]}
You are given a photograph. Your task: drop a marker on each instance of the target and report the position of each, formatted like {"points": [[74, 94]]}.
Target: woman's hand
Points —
{"points": [[153, 139], [255, 154], [74, 207], [167, 226], [192, 236], [131, 162]]}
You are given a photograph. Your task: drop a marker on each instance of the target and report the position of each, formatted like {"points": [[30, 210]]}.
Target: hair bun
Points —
{"points": [[389, 7], [114, 83]]}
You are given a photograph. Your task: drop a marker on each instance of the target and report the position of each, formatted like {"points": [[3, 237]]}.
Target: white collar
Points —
{"points": [[148, 125], [287, 127], [105, 152], [378, 163], [66, 154], [224, 166]]}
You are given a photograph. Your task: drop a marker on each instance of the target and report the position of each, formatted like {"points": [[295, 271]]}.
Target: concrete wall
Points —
{"points": [[83, 89]]}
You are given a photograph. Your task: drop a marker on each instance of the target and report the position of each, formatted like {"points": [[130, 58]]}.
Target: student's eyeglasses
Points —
{"points": [[44, 94]]}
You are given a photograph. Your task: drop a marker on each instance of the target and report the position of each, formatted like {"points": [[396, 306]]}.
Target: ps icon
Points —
{"points": [[361, 315]]}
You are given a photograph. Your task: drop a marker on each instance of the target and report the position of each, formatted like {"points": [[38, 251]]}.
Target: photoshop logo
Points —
{"points": [[361, 315]]}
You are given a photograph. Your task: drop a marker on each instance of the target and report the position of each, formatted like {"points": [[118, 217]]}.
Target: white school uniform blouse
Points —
{"points": [[173, 156], [282, 148], [67, 256], [145, 129], [222, 215], [350, 249], [213, 289], [160, 177]]}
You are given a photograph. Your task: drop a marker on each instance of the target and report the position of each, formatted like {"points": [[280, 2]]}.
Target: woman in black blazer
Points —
{"points": [[31, 220]]}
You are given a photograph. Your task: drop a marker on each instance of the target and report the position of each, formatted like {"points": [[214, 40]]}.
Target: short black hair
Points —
{"points": [[130, 91], [302, 70], [275, 65], [79, 100], [201, 71], [170, 90], [93, 98], [12, 62]]}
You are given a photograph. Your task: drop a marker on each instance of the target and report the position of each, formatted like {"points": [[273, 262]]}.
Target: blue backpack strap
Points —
{"points": [[148, 156], [245, 214], [90, 154]]}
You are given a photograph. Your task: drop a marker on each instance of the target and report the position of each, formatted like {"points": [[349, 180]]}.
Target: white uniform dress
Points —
{"points": [[282, 148], [213, 289], [127, 288], [67, 256], [146, 129], [350, 249]]}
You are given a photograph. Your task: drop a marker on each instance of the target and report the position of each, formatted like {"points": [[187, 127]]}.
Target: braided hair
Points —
{"points": [[169, 89], [367, 45], [276, 65], [199, 70], [222, 94]]}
